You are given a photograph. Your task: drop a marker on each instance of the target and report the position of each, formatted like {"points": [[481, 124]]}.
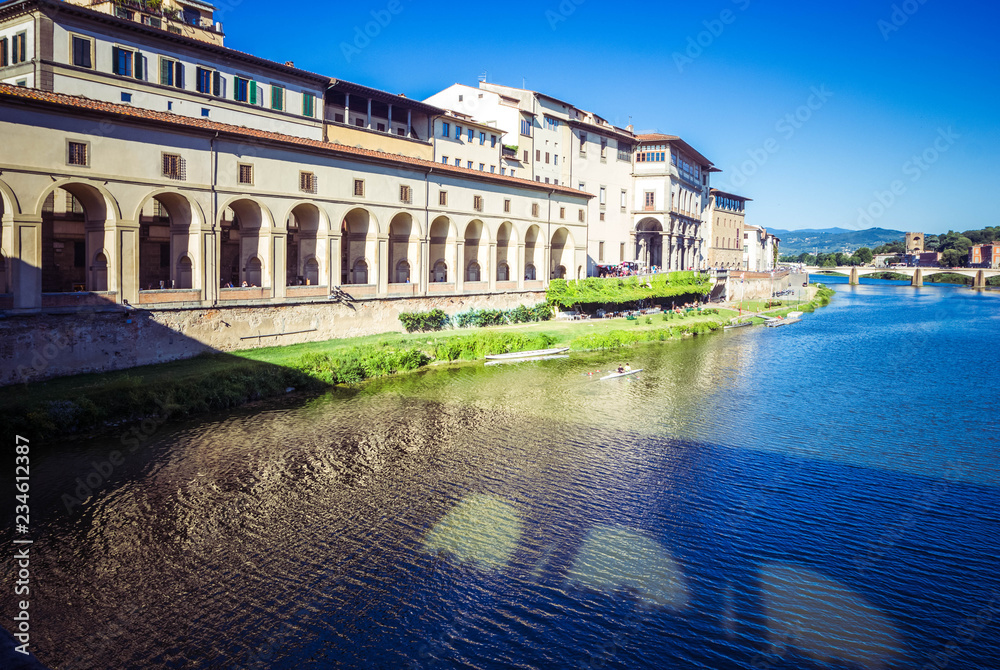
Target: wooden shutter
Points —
{"points": [[3, 52], [216, 83], [116, 60], [139, 58], [252, 85], [179, 76], [166, 72]]}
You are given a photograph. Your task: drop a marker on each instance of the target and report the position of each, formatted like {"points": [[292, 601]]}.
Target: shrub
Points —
{"points": [[435, 319]]}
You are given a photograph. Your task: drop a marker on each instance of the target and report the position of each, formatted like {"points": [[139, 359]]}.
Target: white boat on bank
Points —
{"points": [[525, 355], [527, 358], [621, 374]]}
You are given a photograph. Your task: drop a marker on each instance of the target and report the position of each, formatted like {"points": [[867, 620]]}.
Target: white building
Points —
{"points": [[553, 142], [671, 187], [760, 249], [60, 47]]}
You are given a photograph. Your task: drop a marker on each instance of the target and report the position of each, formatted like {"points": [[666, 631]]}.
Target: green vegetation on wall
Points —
{"points": [[624, 290]]}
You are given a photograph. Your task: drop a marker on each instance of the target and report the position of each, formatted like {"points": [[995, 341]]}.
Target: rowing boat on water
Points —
{"points": [[621, 374], [529, 358], [537, 353]]}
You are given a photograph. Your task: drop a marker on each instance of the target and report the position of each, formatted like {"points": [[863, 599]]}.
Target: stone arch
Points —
{"points": [[358, 242], [253, 272], [79, 220], [442, 237], [8, 209], [649, 242], [307, 228], [360, 271], [245, 226], [169, 225], [476, 237], [532, 253], [506, 251], [404, 245], [184, 275], [98, 280], [561, 252]]}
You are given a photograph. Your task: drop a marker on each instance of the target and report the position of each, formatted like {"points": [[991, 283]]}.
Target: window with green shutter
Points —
{"points": [[277, 97], [253, 92], [307, 104]]}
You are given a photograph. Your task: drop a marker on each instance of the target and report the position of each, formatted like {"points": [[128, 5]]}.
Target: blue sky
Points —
{"points": [[893, 105]]}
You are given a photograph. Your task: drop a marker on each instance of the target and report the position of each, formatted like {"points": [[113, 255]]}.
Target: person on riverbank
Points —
{"points": [[628, 367]]}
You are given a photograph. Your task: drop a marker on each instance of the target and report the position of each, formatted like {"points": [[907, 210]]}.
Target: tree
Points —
{"points": [[953, 258], [897, 247], [864, 255]]}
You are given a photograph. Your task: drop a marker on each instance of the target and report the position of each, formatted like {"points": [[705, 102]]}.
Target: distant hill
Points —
{"points": [[832, 240]]}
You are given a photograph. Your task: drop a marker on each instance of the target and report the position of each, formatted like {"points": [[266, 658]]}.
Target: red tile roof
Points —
{"points": [[10, 94]]}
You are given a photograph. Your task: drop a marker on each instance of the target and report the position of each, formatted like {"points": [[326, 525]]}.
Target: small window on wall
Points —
{"points": [[581, 215], [359, 188], [307, 182], [405, 195], [173, 166], [277, 97], [78, 153], [477, 203], [506, 206], [128, 63], [534, 209], [19, 48], [171, 73], [308, 102], [443, 198], [83, 52], [245, 173], [562, 212]]}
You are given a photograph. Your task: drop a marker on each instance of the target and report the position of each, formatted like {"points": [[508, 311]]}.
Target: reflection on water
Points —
{"points": [[614, 559], [793, 498]]}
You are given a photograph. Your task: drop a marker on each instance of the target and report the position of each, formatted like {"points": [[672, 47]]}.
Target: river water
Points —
{"points": [[821, 495]]}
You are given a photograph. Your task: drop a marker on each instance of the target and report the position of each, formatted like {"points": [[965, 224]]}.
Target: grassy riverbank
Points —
{"points": [[148, 396]]}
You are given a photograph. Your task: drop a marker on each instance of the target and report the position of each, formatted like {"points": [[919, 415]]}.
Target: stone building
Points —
{"points": [[725, 219]]}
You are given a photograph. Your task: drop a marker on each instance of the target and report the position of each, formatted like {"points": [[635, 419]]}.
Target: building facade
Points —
{"points": [[725, 219], [671, 188], [760, 249], [985, 255]]}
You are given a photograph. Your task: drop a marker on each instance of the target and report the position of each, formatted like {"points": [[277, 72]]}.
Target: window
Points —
{"points": [[511, 173], [126, 97], [128, 63], [204, 111], [469, 164], [538, 155], [604, 149], [404, 194], [555, 181], [624, 201], [380, 127], [624, 151], [506, 205], [546, 180], [173, 166], [503, 170], [534, 209], [525, 155], [3, 52], [482, 167], [171, 73], [526, 127], [477, 203], [603, 199], [621, 251], [458, 132], [307, 182], [246, 173], [493, 141], [308, 103], [444, 159], [555, 159], [482, 137], [241, 89], [649, 200], [208, 81], [472, 134], [601, 216], [562, 212], [600, 252], [359, 188], [443, 198], [583, 144], [580, 216], [83, 51], [546, 157], [78, 153], [123, 13], [551, 123], [445, 129], [277, 97], [19, 48], [583, 186], [152, 21], [458, 162]]}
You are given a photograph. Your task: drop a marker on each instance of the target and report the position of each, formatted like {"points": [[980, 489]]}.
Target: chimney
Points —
{"points": [[289, 63], [630, 128]]}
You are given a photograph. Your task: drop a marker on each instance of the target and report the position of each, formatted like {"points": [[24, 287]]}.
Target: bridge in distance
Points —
{"points": [[978, 275]]}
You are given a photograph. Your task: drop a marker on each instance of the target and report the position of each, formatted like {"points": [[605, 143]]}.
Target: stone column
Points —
{"points": [[347, 112], [125, 260], [424, 269], [26, 258], [279, 259], [519, 267], [460, 265], [918, 278], [368, 124], [853, 281], [209, 264], [492, 265], [382, 265], [335, 269]]}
